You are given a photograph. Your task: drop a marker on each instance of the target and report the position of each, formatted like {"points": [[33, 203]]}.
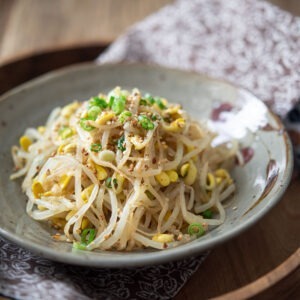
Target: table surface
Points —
{"points": [[52, 24]]}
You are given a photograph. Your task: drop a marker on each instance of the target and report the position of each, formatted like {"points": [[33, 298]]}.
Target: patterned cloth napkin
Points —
{"points": [[251, 43]]}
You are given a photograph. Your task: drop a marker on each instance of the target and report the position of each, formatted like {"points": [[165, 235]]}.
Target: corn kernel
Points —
{"points": [[190, 178], [105, 117], [37, 189], [210, 182], [173, 176], [163, 179], [85, 223], [41, 129], [69, 109], [222, 173], [41, 207], [70, 214], [86, 193], [101, 172], [175, 126], [120, 181], [184, 169], [64, 181], [167, 215], [25, 142], [163, 238], [107, 155]]}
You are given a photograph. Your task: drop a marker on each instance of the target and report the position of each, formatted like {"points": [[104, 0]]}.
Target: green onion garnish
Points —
{"points": [[159, 103], [145, 122], [153, 117], [93, 112], [65, 132], [144, 102], [96, 147], [87, 236], [115, 183], [196, 229], [84, 125], [124, 116], [108, 182], [207, 214], [111, 101], [149, 98], [120, 144], [118, 105], [96, 101]]}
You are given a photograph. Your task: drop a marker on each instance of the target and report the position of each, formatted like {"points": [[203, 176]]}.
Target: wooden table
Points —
{"points": [[32, 26]]}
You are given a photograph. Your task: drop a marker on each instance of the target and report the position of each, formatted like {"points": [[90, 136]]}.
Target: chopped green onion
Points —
{"points": [[207, 214], [108, 182], [145, 122], [153, 117], [111, 101], [159, 103], [84, 125], [120, 144], [65, 132], [118, 105], [149, 98], [93, 112], [115, 183], [96, 101], [96, 147], [144, 102], [124, 116], [87, 236], [196, 229]]}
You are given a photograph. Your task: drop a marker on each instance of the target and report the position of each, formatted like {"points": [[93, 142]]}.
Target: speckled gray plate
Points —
{"points": [[260, 183]]}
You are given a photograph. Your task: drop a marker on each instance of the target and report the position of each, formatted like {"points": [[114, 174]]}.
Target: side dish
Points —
{"points": [[125, 171]]}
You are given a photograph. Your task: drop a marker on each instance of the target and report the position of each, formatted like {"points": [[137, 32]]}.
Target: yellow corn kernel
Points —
{"points": [[172, 110], [64, 181], [223, 174], [137, 141], [101, 172], [219, 180], [85, 223], [86, 193], [163, 179], [191, 175], [164, 101], [37, 189], [175, 126], [107, 155], [70, 214], [105, 117], [120, 182], [49, 194], [41, 207], [25, 142], [69, 109], [184, 169], [210, 181], [58, 222], [173, 176], [163, 238], [167, 215], [41, 129]]}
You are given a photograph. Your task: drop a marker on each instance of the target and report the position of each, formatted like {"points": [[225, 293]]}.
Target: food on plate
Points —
{"points": [[125, 171]]}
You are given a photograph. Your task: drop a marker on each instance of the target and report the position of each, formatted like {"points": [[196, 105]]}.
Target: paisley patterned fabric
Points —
{"points": [[27, 276], [250, 43]]}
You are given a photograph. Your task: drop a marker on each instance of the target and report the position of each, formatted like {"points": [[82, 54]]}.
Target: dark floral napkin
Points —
{"points": [[251, 43]]}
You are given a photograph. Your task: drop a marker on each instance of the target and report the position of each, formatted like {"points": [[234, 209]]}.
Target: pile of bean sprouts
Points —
{"points": [[124, 171]]}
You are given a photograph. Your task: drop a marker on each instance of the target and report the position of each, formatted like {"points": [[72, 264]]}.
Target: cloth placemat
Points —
{"points": [[251, 43]]}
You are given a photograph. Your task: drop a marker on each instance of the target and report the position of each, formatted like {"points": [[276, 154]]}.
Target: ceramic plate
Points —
{"points": [[231, 110]]}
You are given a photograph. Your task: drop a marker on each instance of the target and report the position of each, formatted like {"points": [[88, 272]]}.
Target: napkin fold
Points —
{"points": [[250, 43]]}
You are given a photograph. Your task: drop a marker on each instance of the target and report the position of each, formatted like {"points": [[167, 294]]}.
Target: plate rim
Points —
{"points": [[155, 257]]}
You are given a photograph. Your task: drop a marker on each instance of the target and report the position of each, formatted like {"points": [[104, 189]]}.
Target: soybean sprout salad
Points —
{"points": [[124, 171]]}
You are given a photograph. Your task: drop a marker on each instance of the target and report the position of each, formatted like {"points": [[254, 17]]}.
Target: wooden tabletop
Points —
{"points": [[33, 26]]}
